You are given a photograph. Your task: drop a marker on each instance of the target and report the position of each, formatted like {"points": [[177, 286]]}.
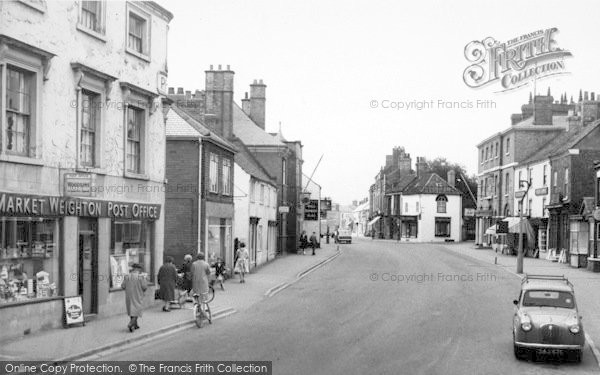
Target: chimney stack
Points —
{"points": [[246, 104], [452, 178], [188, 95], [421, 166], [258, 103], [542, 113], [219, 99], [171, 91], [180, 91]]}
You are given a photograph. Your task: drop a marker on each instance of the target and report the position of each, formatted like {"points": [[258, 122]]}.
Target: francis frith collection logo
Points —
{"points": [[514, 63]]}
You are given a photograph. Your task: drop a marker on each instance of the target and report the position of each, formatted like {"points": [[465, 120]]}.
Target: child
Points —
{"points": [[220, 271]]}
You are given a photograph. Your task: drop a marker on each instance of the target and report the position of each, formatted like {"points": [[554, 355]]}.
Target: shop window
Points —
{"points": [[214, 173], [442, 227], [28, 259], [219, 239], [441, 201], [130, 243]]}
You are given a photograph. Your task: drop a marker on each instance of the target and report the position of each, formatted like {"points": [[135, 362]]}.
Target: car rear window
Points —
{"points": [[548, 298]]}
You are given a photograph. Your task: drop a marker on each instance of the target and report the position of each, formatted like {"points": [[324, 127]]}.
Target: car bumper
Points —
{"points": [[534, 345]]}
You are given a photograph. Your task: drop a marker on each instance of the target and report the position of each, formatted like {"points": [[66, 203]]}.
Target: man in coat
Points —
{"points": [[135, 285], [200, 274], [167, 279], [313, 242]]}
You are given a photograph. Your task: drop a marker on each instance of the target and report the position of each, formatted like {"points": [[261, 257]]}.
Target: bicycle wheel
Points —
{"points": [[198, 316], [211, 294]]}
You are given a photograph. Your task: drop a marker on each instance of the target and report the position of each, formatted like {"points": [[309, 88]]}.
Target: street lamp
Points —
{"points": [[520, 253]]}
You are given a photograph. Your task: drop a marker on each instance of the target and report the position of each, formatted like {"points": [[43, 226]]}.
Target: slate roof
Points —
{"points": [[181, 115], [398, 185], [562, 142], [249, 133], [249, 164], [176, 126], [430, 183]]}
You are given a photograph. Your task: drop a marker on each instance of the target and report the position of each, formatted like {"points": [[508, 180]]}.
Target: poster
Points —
{"points": [[73, 310]]}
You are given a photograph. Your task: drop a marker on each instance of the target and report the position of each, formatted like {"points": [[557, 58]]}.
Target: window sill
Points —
{"points": [[21, 160], [137, 176], [95, 170], [29, 302], [92, 33], [140, 56]]}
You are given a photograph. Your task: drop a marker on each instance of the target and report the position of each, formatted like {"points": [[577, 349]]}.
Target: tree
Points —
{"points": [[442, 166]]}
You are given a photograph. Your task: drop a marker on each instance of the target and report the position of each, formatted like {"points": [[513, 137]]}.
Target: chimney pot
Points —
{"points": [[219, 67], [246, 95], [593, 96], [180, 91], [255, 82], [171, 90], [260, 81], [585, 95], [228, 68]]}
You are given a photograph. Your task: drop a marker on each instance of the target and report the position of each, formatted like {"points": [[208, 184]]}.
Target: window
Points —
{"points": [[135, 125], [495, 185], [441, 201], [226, 178], [487, 153], [259, 233], [214, 173], [507, 146], [252, 189], [417, 207], [566, 182], [138, 33], [555, 179], [91, 17], [283, 171], [130, 241], [530, 173], [521, 205], [90, 109], [405, 206], [543, 208], [482, 156], [497, 146], [520, 179], [262, 194], [28, 259], [506, 184], [529, 207], [545, 176], [18, 110], [442, 227]]}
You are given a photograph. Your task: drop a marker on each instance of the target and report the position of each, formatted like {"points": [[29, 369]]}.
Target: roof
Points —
{"points": [[562, 142], [430, 183], [250, 133], [362, 207], [559, 123], [249, 163], [547, 285], [202, 130], [177, 126], [399, 184]]}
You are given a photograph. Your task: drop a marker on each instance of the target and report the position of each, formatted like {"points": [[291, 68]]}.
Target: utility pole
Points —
{"points": [[520, 253]]}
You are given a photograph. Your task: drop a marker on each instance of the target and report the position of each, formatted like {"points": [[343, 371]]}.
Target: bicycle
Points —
{"points": [[201, 311], [184, 296]]}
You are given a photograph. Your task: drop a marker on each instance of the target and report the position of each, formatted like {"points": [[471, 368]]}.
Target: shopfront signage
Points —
{"points": [[469, 212], [29, 205], [311, 210], [73, 310], [284, 209], [541, 191], [78, 185]]}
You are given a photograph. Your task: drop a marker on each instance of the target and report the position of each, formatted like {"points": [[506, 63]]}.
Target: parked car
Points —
{"points": [[344, 236], [546, 318]]}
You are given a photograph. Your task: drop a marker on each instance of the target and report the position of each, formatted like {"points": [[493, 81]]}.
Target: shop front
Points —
{"points": [[53, 247]]}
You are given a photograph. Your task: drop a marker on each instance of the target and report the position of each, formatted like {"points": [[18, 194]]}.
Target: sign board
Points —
{"points": [[161, 83], [519, 194], [284, 209], [78, 185], [325, 204], [502, 227], [311, 210], [73, 310], [541, 191], [596, 214], [469, 212], [312, 204], [311, 215]]}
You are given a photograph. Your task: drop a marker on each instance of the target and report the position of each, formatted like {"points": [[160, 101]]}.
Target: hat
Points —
{"points": [[137, 266]]}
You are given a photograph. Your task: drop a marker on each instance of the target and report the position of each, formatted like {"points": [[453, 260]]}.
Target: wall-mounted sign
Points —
{"points": [[311, 215], [73, 310], [78, 185], [325, 204], [32, 205], [161, 83], [519, 194], [284, 209], [311, 210], [469, 212], [541, 191]]}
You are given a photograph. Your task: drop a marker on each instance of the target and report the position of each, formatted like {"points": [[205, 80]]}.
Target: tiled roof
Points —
{"points": [[249, 163], [176, 126], [430, 183], [201, 129], [562, 142], [249, 133], [399, 184]]}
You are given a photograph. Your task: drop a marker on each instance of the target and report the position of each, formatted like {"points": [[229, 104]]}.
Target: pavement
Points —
{"points": [[586, 283], [110, 334]]}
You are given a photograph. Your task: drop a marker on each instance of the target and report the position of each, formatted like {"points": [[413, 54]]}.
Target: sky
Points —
{"points": [[334, 68]]}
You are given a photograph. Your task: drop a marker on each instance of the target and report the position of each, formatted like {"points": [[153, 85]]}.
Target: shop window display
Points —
{"points": [[219, 239], [28, 259], [130, 243]]}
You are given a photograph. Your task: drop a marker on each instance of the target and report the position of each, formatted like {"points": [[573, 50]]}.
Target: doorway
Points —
{"points": [[88, 265]]}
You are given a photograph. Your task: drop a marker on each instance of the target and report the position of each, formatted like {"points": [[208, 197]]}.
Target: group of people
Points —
{"points": [[195, 278], [305, 241]]}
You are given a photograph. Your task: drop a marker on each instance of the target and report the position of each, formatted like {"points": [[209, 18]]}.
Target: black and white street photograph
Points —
{"points": [[275, 187]]}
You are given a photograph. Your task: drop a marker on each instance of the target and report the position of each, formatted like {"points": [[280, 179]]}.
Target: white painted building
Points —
{"points": [[82, 135]]}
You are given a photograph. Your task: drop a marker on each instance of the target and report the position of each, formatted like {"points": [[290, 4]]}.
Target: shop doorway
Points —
{"points": [[88, 265]]}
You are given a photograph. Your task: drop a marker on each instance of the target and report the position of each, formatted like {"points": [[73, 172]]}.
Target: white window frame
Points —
{"points": [[146, 37], [566, 183], [32, 63], [226, 177], [262, 194], [213, 173], [507, 146], [100, 32]]}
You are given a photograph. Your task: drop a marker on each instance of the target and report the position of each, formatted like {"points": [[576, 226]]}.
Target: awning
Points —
{"points": [[514, 227], [374, 220], [491, 230]]}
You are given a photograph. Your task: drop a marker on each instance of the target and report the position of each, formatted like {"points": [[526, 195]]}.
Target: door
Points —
{"points": [[88, 265]]}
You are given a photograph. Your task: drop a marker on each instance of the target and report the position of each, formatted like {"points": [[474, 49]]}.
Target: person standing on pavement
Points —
{"points": [[135, 285], [167, 279], [313, 242], [220, 271], [186, 270], [242, 265], [303, 242], [200, 273]]}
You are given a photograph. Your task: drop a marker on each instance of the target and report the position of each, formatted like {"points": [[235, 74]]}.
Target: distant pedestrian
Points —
{"points": [[242, 264], [220, 272], [167, 279], [200, 274], [135, 285], [186, 270], [313, 242], [303, 242]]}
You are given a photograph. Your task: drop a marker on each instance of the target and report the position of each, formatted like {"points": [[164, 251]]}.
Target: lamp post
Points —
{"points": [[520, 253]]}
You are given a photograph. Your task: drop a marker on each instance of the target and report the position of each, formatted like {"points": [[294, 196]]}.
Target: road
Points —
{"points": [[379, 308]]}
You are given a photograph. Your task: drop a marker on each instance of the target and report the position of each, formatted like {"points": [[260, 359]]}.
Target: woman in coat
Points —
{"points": [[135, 285], [243, 259], [167, 279]]}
